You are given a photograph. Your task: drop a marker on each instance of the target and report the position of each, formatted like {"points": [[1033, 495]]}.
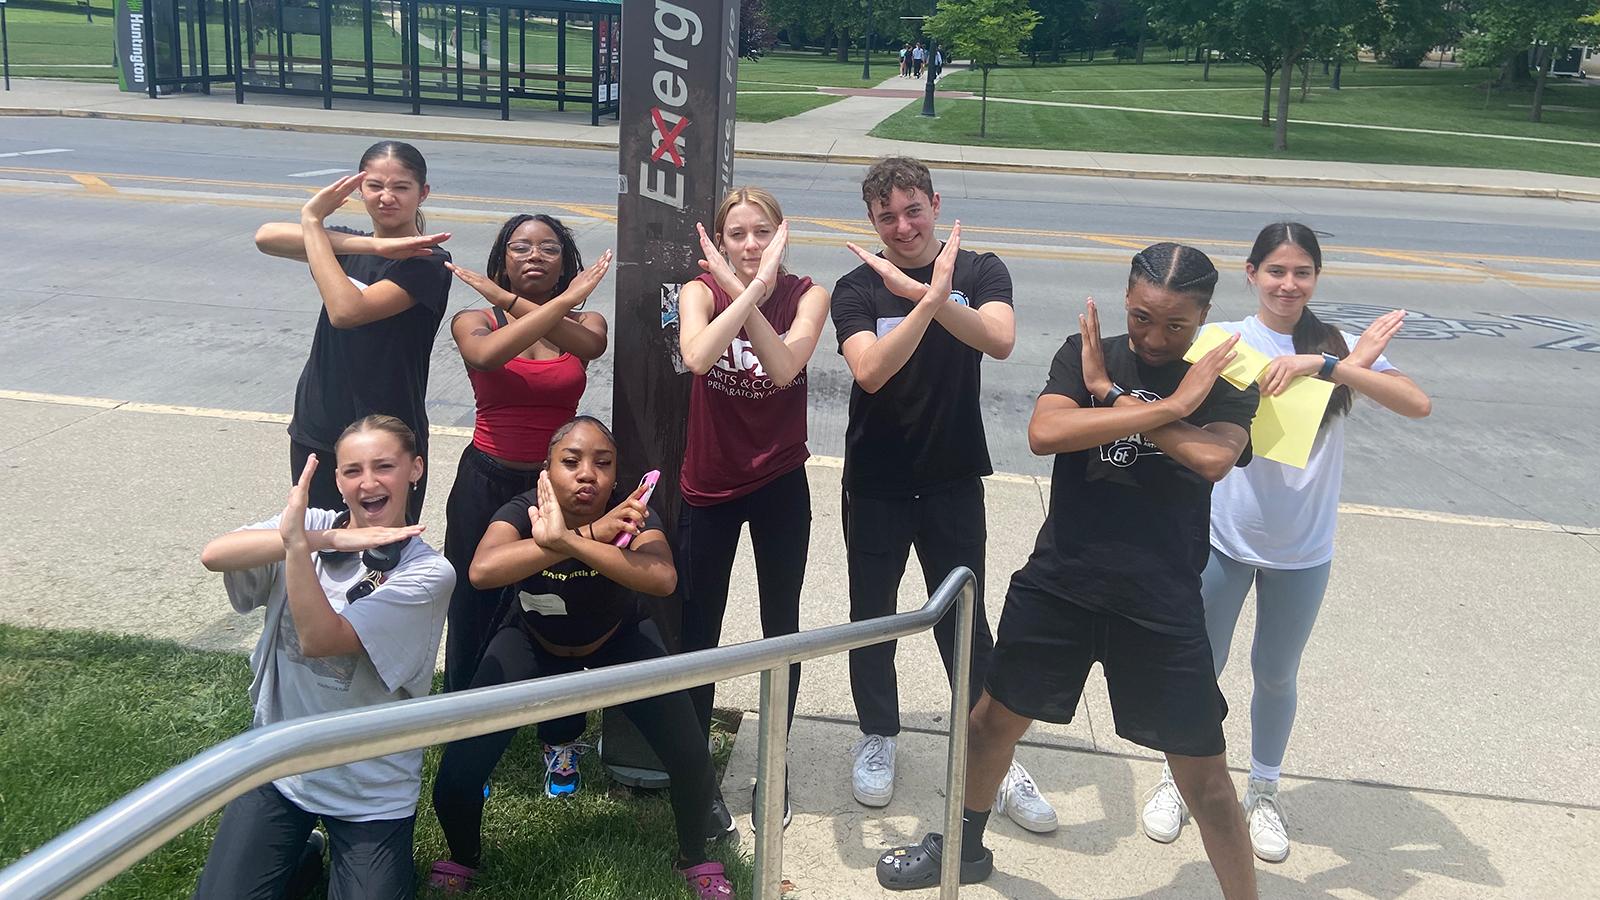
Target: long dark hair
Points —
{"points": [[407, 156], [1176, 267], [571, 259], [1311, 334]]}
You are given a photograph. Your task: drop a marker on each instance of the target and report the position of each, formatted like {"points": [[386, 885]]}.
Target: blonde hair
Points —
{"points": [[760, 198], [400, 430]]}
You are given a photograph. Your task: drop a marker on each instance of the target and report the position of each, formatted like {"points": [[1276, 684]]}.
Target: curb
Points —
{"points": [[1360, 184]]}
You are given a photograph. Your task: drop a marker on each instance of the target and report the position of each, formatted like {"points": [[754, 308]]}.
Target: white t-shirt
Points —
{"points": [[1274, 515], [399, 625]]}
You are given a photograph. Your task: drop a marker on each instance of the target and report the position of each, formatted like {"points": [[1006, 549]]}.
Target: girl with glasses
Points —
{"points": [[355, 603], [527, 358]]}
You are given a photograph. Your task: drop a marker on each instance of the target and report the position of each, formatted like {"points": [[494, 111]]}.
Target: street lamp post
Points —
{"points": [[866, 52], [5, 45], [927, 67]]}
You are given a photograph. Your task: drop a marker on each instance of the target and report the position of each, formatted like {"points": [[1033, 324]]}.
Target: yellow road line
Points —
{"points": [[828, 462], [94, 184]]}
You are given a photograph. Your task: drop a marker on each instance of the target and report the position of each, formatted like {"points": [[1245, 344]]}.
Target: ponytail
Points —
{"points": [[1311, 334]]}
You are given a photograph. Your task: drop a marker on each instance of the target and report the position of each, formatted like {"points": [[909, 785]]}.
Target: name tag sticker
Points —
{"points": [[543, 604], [887, 325]]}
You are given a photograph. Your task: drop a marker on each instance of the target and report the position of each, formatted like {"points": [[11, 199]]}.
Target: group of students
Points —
{"points": [[912, 58], [546, 555]]}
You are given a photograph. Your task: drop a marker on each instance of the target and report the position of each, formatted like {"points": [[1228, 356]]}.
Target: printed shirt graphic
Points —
{"points": [[569, 604], [399, 625], [1127, 528], [923, 429], [745, 429]]}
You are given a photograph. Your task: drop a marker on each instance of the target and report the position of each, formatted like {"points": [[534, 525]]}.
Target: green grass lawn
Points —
{"points": [[769, 107], [1448, 99], [89, 717], [813, 70]]}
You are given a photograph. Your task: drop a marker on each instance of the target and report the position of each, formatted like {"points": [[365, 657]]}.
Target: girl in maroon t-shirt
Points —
{"points": [[746, 329]]}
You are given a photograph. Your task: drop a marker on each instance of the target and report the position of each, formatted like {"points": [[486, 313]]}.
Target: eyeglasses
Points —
{"points": [[523, 249], [364, 588]]}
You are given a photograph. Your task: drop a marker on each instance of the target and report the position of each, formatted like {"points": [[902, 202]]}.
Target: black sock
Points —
{"points": [[972, 825]]}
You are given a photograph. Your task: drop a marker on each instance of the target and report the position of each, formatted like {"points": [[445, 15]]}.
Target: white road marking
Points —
{"points": [[34, 152], [317, 172]]}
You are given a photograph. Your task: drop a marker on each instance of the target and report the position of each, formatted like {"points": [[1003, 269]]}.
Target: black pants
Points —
{"points": [[664, 721], [261, 838], [481, 487], [948, 530], [325, 490], [708, 536]]}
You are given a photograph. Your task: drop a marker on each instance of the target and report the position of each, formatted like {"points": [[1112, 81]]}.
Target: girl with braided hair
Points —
{"points": [[1272, 524], [1139, 438], [526, 358]]}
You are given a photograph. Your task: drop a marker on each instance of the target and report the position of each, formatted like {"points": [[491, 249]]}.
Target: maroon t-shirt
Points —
{"points": [[745, 430]]}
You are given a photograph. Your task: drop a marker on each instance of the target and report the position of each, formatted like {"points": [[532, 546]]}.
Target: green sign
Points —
{"points": [[132, 46]]}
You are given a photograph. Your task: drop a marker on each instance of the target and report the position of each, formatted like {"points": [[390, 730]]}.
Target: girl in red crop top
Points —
{"points": [[746, 329], [526, 359]]}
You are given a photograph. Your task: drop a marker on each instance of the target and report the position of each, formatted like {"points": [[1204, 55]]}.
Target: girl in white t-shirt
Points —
{"points": [[1272, 524]]}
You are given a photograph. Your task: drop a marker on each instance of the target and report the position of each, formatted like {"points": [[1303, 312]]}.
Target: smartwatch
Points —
{"points": [[1110, 399], [1328, 362]]}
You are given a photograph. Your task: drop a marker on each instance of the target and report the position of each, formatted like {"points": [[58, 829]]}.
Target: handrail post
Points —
{"points": [[955, 782], [772, 771]]}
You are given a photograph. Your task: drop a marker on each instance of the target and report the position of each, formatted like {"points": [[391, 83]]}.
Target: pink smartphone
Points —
{"points": [[648, 482]]}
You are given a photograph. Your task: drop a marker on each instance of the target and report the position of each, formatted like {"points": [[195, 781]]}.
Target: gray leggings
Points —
{"points": [[1287, 601]]}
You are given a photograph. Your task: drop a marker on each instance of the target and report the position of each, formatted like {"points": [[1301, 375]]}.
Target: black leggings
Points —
{"points": [[779, 514], [325, 490], [514, 655]]}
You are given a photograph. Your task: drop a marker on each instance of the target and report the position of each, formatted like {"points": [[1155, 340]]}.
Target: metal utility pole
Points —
{"points": [[5, 45], [927, 68]]}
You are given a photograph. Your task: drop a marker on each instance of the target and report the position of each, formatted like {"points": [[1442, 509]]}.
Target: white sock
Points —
{"points": [[1264, 772]]}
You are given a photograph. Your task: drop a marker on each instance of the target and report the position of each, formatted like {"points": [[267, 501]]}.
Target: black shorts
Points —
{"points": [[1163, 688]]}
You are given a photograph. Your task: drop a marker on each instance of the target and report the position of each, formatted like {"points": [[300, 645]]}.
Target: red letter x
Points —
{"points": [[669, 137]]}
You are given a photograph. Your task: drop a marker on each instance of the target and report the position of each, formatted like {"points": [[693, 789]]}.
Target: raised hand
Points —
{"points": [[586, 281], [627, 517], [354, 540], [494, 293], [1285, 369], [1202, 376], [944, 266], [408, 247], [717, 265], [772, 259], [292, 525], [1095, 377], [899, 283], [326, 201], [550, 527], [1376, 338]]}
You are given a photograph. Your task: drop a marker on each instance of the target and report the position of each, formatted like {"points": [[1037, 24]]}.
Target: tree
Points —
{"points": [[756, 36], [1403, 31], [1505, 30], [982, 31]]}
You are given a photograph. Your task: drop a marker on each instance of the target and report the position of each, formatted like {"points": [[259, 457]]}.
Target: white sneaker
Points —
{"points": [[872, 776], [1019, 798], [1269, 833], [1164, 811]]}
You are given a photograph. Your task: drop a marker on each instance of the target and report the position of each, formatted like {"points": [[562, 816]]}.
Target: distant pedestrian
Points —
{"points": [[905, 60], [917, 55], [938, 63]]}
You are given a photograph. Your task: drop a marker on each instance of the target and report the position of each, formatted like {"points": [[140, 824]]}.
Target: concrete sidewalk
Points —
{"points": [[1444, 748], [839, 136]]}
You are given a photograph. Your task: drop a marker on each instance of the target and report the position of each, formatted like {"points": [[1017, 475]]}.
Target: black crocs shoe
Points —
{"points": [[719, 822], [917, 866]]}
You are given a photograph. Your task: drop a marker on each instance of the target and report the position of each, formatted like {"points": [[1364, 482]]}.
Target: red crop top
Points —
{"points": [[523, 402]]}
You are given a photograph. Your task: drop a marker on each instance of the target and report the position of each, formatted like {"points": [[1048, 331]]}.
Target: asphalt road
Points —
{"points": [[131, 274]]}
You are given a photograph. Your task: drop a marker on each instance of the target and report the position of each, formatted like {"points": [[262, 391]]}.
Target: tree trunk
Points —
{"points": [[1338, 71], [1325, 66], [1144, 26], [983, 113], [1305, 80], [844, 46], [1280, 136], [1206, 75], [1266, 99], [1543, 60]]}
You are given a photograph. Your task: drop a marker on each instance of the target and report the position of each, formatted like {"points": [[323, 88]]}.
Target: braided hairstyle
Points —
{"points": [[571, 259], [1311, 334], [1176, 267]]}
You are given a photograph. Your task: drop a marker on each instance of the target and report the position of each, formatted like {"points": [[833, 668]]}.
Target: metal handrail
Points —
{"points": [[113, 839]]}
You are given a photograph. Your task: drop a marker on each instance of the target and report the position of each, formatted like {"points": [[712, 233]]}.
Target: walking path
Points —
{"points": [[835, 133], [1444, 749]]}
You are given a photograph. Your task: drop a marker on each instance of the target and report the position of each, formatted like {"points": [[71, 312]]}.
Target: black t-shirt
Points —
{"points": [[570, 604], [924, 428], [379, 367], [1129, 527]]}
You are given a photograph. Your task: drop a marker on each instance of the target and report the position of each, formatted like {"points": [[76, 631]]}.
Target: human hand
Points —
{"points": [[408, 247], [326, 201], [627, 517], [494, 293], [898, 282], [1095, 378], [944, 267], [355, 540], [1202, 376], [1376, 338], [1285, 369], [584, 283], [548, 520], [292, 525], [772, 259], [717, 265]]}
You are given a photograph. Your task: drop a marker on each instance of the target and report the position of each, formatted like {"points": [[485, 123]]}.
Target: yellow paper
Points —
{"points": [[1246, 367], [1286, 426]]}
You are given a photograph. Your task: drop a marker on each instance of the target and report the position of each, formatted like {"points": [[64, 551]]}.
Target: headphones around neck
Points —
{"points": [[378, 559]]}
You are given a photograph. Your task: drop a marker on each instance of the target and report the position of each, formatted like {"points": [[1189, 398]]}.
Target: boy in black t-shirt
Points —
{"points": [[914, 323], [1139, 437]]}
